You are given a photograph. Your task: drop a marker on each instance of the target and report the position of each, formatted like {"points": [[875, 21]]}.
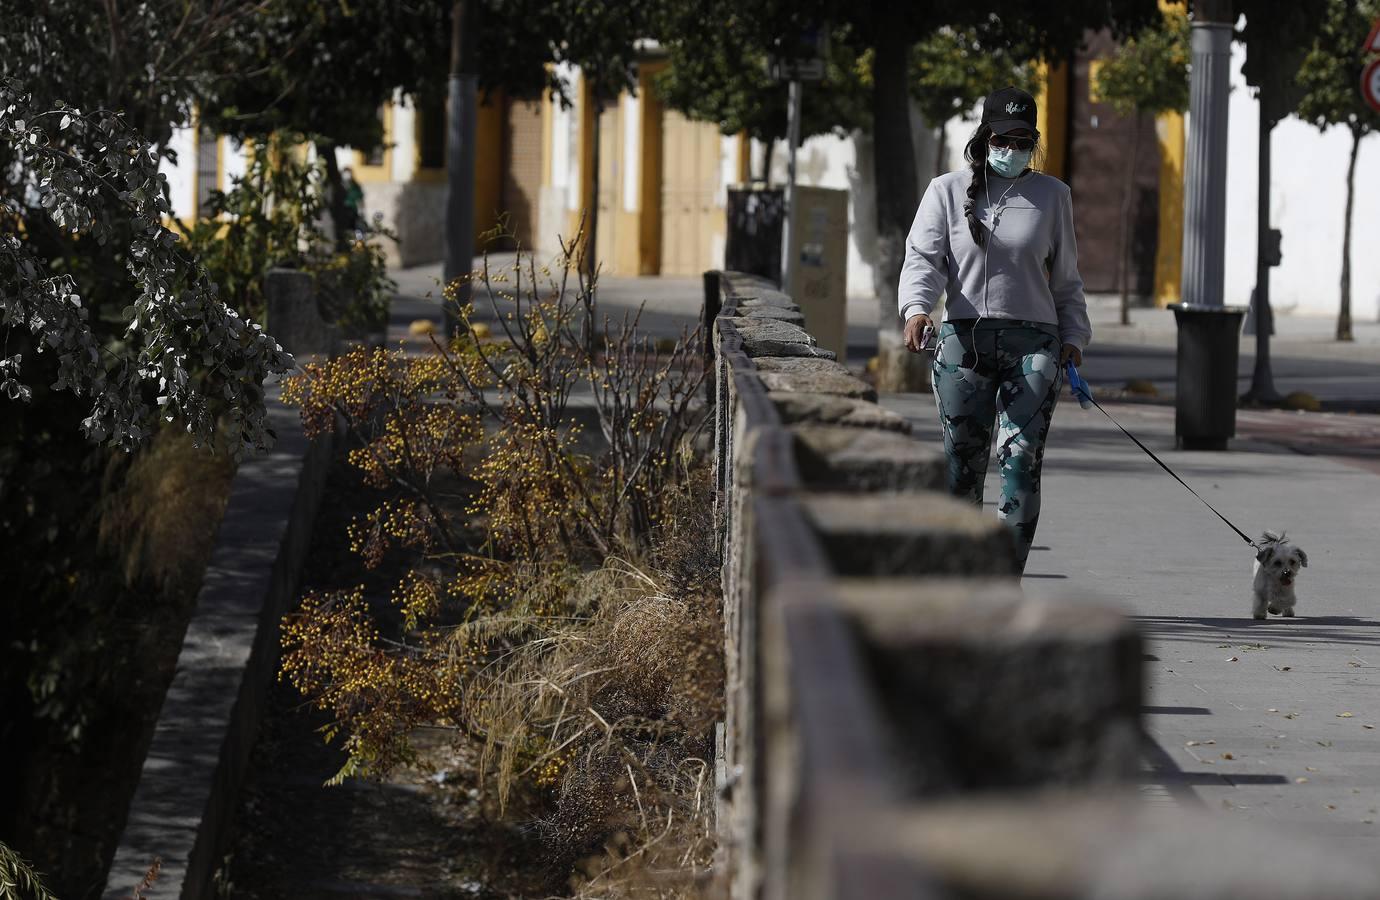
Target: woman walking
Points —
{"points": [[997, 240]]}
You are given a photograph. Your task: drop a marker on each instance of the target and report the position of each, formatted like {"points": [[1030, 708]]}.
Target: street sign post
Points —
{"points": [[1370, 84], [800, 57]]}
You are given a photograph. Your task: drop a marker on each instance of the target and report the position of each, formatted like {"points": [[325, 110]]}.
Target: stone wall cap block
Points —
{"points": [[762, 300], [898, 514], [797, 407], [1117, 847], [867, 459], [986, 611], [769, 313], [742, 281], [767, 330], [818, 383], [801, 364]]}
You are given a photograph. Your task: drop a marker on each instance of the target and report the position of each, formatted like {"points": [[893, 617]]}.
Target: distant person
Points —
{"points": [[997, 240], [354, 202]]}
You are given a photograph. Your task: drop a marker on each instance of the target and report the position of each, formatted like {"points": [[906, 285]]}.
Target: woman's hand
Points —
{"points": [[915, 331], [1070, 352]]}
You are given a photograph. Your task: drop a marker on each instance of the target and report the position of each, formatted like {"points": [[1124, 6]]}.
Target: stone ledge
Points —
{"points": [[866, 459], [780, 301], [767, 337], [746, 282], [830, 409], [190, 780], [773, 313], [1076, 846], [805, 382], [800, 364], [1014, 691], [908, 533]]}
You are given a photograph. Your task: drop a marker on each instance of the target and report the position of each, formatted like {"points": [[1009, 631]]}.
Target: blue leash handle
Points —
{"points": [[1082, 392]]}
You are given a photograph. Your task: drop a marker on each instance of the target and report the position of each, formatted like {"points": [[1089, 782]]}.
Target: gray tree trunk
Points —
{"points": [[1262, 378], [460, 140], [897, 195], [335, 194], [1128, 195], [1344, 314]]}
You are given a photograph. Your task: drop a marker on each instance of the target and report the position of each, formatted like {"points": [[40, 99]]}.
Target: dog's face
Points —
{"points": [[1282, 560]]}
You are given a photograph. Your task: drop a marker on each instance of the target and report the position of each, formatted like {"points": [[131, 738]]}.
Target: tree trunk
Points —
{"points": [[1262, 390], [1344, 315], [1128, 196], [592, 214], [335, 195], [897, 194], [460, 135]]}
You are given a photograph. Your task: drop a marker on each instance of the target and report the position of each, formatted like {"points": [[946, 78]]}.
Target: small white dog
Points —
{"points": [[1277, 565]]}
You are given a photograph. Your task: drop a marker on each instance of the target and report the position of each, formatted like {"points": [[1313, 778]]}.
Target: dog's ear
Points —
{"points": [[1303, 558], [1262, 554]]}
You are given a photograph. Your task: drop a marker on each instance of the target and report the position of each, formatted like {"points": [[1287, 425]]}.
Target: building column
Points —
{"points": [[1052, 117], [1205, 175], [1169, 260]]}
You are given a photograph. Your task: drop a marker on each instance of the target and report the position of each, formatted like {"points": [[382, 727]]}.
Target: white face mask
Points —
{"points": [[1007, 162]]}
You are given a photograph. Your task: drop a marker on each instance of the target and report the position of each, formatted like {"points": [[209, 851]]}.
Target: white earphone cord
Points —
{"points": [[991, 235]]}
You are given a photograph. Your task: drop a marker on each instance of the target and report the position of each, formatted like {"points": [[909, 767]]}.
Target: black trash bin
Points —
{"points": [[1205, 382], [756, 216]]}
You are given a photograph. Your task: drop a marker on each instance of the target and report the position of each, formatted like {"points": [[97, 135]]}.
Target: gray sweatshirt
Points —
{"points": [[1028, 271]]}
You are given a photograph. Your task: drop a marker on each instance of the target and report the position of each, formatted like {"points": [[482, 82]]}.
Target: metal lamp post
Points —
{"points": [[1205, 395]]}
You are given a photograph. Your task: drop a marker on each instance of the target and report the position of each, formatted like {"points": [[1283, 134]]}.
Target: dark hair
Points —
{"points": [[975, 152]]}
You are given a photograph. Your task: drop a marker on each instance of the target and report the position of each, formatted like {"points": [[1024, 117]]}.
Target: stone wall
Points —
{"points": [[901, 720]]}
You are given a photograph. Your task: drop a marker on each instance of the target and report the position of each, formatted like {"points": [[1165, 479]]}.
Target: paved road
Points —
{"points": [[671, 304], [1275, 720]]}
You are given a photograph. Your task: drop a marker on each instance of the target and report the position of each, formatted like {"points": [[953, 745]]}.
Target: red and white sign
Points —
{"points": [[1370, 84], [1373, 42]]}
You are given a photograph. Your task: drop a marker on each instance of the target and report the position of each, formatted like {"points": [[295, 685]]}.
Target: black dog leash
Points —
{"points": [[1084, 394]]}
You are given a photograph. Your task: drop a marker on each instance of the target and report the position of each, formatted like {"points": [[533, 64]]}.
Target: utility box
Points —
{"points": [[820, 277]]}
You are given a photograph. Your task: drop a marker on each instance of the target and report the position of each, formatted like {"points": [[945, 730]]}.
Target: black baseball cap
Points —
{"points": [[1009, 109]]}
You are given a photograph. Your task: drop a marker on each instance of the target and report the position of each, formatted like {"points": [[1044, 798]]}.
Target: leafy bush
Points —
{"points": [[272, 216]]}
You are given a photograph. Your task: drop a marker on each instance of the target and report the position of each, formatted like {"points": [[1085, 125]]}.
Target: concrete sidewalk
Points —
{"points": [[668, 305], [1276, 720]]}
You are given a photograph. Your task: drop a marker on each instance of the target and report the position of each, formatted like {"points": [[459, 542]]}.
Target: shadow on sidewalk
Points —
{"points": [[1299, 630]]}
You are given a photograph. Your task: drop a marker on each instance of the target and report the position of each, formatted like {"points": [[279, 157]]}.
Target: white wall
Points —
{"points": [[234, 162], [403, 139], [1307, 203], [846, 162], [182, 177]]}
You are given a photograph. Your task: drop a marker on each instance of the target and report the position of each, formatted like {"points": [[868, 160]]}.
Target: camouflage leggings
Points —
{"points": [[1008, 367]]}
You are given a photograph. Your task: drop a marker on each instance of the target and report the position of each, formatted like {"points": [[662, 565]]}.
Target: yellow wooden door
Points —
{"points": [[689, 186], [610, 177]]}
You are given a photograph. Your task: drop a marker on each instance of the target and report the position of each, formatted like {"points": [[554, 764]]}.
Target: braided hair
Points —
{"points": [[975, 152]]}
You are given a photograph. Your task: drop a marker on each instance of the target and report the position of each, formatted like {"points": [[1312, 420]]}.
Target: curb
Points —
{"points": [[185, 801]]}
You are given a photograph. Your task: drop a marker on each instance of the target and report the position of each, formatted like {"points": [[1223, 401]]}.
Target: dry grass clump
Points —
{"points": [[162, 507], [562, 609], [613, 714]]}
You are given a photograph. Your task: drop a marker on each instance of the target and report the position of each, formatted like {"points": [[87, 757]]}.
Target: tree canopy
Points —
{"points": [[1329, 77], [1277, 35], [1149, 73], [953, 68]]}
